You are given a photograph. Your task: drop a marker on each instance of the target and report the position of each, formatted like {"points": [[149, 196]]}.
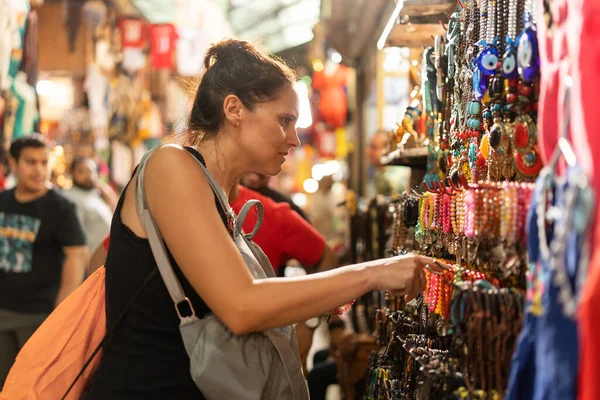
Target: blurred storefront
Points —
{"points": [[104, 79]]}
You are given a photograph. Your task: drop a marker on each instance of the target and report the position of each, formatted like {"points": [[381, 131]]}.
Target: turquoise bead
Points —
{"points": [[497, 108], [474, 123], [487, 114], [474, 108]]}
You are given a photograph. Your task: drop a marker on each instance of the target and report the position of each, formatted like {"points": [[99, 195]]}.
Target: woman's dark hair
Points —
{"points": [[234, 67]]}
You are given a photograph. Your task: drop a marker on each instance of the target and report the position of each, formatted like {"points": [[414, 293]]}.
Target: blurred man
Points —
{"points": [[387, 180], [42, 248], [95, 200], [323, 209], [260, 183]]}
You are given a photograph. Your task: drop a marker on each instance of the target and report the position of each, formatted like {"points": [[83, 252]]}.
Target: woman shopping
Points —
{"points": [[243, 120]]}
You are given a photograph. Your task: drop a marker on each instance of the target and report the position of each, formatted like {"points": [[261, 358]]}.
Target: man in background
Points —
{"points": [[260, 183], [388, 180], [42, 248], [95, 200]]}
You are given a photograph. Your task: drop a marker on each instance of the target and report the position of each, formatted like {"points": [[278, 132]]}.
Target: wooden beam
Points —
{"points": [[413, 35], [427, 7]]}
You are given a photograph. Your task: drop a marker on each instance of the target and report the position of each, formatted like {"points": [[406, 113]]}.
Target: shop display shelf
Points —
{"points": [[416, 157]]}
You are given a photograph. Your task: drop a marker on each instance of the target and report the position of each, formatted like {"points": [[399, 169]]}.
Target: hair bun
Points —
{"points": [[226, 50]]}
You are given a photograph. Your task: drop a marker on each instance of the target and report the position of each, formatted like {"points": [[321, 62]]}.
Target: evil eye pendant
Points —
{"points": [[487, 61], [509, 64], [528, 58]]}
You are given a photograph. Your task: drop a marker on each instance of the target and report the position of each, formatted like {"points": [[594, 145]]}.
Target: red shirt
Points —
{"points": [[284, 234], [133, 32], [163, 38]]}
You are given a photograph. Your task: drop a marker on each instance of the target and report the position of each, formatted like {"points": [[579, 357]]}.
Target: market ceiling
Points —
{"points": [[279, 24]]}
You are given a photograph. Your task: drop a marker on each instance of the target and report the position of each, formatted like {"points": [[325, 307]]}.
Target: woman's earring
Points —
{"points": [[236, 125]]}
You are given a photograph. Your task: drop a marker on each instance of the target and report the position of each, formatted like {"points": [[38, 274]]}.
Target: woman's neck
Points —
{"points": [[222, 161]]}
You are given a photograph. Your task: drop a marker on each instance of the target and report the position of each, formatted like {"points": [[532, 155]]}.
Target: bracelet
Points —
{"points": [[340, 310], [336, 325]]}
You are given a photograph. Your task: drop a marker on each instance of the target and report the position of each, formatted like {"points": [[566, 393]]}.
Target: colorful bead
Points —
{"points": [[521, 135], [474, 108], [474, 123], [511, 98]]}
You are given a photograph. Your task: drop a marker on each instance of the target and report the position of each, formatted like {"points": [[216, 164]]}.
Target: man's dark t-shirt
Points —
{"points": [[32, 237]]}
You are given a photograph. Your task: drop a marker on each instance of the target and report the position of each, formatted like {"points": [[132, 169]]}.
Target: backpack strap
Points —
{"points": [[157, 245], [242, 218]]}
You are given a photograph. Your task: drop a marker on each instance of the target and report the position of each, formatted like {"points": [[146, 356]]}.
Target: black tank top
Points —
{"points": [[145, 359]]}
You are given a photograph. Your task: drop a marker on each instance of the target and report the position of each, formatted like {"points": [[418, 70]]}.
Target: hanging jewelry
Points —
{"points": [[578, 199], [509, 59], [487, 61], [479, 81], [526, 151], [528, 58]]}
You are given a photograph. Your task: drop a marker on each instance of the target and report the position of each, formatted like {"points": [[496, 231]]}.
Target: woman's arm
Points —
{"points": [[182, 203]]}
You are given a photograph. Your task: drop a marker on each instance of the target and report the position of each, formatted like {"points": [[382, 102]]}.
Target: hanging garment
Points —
{"points": [[104, 57], [163, 38], [568, 49], [10, 111], [133, 33], [121, 163], [72, 21], [191, 47], [21, 8], [96, 87], [94, 14], [26, 114], [134, 60], [9, 38], [568, 42], [333, 103], [29, 65], [544, 365]]}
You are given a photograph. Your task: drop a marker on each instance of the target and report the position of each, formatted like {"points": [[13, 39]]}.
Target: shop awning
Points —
{"points": [[354, 30], [278, 24], [155, 11]]}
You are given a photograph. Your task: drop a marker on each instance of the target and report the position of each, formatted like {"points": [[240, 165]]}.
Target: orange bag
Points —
{"points": [[55, 354], [60, 358]]}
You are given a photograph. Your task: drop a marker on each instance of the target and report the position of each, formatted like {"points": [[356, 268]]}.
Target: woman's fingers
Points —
{"points": [[432, 264]]}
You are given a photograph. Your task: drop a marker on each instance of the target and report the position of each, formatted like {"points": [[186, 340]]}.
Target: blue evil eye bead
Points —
{"points": [[479, 84], [487, 61], [509, 65], [528, 58]]}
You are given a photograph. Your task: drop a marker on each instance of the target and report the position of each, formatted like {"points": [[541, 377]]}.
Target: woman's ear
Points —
{"points": [[233, 109]]}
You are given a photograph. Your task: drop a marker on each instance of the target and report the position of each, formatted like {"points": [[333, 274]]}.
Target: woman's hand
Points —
{"points": [[402, 275]]}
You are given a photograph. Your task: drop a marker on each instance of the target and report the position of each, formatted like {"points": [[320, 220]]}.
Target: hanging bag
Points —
{"points": [[261, 365], [60, 358]]}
